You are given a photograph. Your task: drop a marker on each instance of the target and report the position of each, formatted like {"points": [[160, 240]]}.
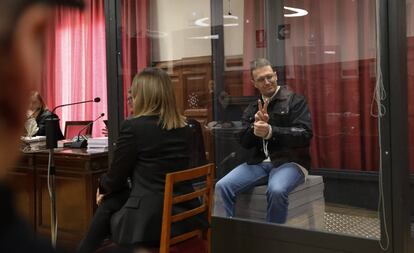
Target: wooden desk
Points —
{"points": [[77, 173]]}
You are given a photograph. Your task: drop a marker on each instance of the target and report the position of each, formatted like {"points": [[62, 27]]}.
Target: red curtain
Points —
{"points": [[135, 41], [76, 63], [330, 58]]}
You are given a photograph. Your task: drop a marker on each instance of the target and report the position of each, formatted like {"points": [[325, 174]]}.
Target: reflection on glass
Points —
{"points": [[326, 52], [174, 36], [410, 68]]}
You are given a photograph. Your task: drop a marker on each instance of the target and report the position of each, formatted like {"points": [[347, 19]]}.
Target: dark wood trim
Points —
{"points": [[77, 173], [234, 61], [351, 174], [345, 187], [396, 89], [200, 60], [114, 80], [347, 174]]}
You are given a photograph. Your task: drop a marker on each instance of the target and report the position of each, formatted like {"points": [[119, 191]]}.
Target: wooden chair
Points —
{"points": [[72, 128], [195, 241], [204, 192]]}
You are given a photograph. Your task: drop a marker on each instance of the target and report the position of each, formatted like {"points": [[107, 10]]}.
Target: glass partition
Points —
{"points": [[174, 36], [323, 55], [324, 51]]}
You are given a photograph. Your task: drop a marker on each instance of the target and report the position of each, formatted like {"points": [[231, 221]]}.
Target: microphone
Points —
{"points": [[81, 143], [52, 124], [95, 100]]}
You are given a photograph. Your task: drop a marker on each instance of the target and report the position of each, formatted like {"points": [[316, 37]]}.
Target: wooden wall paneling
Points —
{"points": [[22, 182], [234, 83], [233, 76], [195, 85], [70, 206], [191, 77], [178, 87], [76, 184]]}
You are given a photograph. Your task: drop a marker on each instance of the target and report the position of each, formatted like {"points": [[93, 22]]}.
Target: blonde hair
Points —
{"points": [[39, 98], [153, 95]]}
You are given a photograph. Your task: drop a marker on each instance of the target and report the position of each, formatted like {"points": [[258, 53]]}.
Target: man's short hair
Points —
{"points": [[258, 63]]}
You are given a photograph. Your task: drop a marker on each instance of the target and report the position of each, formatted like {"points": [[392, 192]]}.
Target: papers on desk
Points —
{"points": [[64, 143], [31, 127], [97, 144], [30, 144]]}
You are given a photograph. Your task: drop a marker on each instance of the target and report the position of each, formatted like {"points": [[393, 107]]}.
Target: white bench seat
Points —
{"points": [[306, 204]]}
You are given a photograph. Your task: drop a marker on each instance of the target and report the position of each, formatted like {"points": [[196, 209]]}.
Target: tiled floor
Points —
{"points": [[345, 220], [353, 225]]}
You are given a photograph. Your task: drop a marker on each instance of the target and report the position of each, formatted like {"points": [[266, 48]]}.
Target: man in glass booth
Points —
{"points": [[277, 130]]}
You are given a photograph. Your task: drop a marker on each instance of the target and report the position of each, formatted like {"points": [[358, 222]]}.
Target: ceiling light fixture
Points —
{"points": [[206, 21], [208, 37], [297, 12], [233, 20]]}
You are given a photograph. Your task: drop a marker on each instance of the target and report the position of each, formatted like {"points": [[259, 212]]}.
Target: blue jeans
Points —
{"points": [[281, 181]]}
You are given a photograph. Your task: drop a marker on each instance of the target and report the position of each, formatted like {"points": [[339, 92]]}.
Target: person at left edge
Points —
{"points": [[23, 26], [39, 111]]}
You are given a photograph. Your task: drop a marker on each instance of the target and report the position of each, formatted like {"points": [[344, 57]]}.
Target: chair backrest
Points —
{"points": [[197, 149], [72, 128], [205, 193]]}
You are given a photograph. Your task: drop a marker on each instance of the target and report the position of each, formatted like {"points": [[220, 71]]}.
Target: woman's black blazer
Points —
{"points": [[146, 153]]}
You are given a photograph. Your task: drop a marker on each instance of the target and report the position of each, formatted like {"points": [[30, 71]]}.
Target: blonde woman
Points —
{"points": [[151, 144]]}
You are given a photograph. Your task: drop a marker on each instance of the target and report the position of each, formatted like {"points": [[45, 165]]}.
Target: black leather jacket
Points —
{"points": [[146, 153], [291, 124]]}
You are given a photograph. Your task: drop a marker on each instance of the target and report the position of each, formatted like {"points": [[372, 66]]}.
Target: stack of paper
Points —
{"points": [[30, 144], [98, 144]]}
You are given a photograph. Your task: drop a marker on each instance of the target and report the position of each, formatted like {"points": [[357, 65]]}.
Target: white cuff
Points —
{"points": [[269, 134]]}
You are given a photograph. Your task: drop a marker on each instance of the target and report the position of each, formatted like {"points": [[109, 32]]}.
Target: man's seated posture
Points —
{"points": [[278, 130]]}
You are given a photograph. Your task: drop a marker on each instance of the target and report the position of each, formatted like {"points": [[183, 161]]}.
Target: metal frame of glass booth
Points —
{"points": [[233, 235]]}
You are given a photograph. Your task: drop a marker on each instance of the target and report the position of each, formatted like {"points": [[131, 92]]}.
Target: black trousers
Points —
{"points": [[99, 229]]}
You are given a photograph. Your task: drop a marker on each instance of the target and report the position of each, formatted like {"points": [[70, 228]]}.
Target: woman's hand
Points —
{"points": [[99, 197], [105, 131]]}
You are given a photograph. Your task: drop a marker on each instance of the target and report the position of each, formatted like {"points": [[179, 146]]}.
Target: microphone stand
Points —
{"points": [[84, 141], [79, 143], [52, 124]]}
